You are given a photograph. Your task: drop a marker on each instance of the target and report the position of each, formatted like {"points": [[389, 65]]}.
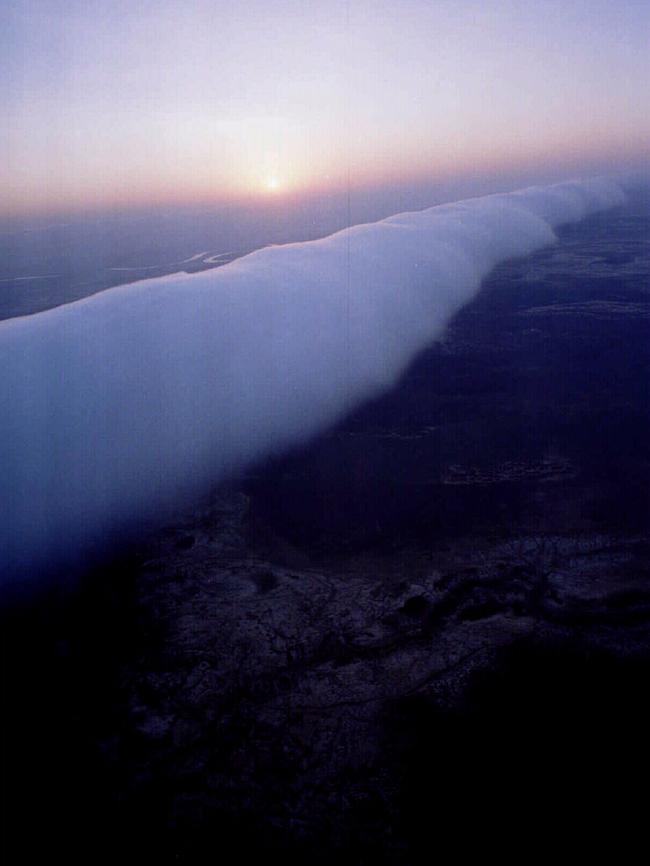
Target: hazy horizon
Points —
{"points": [[285, 106]]}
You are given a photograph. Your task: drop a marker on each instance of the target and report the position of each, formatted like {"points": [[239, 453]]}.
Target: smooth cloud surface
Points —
{"points": [[117, 406]]}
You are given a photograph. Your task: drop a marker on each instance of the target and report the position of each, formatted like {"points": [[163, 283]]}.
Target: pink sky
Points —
{"points": [[114, 103]]}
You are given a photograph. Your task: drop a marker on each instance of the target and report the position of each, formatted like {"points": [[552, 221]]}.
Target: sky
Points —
{"points": [[113, 103]]}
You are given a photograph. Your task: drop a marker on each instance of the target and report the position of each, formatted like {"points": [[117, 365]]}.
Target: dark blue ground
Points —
{"points": [[531, 417]]}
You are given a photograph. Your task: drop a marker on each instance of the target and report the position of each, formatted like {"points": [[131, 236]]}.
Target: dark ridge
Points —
{"points": [[544, 747]]}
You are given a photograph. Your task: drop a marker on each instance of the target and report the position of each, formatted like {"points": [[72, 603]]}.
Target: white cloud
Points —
{"points": [[117, 406]]}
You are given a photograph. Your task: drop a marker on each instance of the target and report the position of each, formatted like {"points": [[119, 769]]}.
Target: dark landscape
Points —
{"points": [[426, 630]]}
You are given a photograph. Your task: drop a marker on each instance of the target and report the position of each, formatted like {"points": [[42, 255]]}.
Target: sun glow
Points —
{"points": [[272, 183]]}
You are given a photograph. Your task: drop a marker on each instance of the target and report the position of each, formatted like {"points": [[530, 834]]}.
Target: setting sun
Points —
{"points": [[272, 183]]}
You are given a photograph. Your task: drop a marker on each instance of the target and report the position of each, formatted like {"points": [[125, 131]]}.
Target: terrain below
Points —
{"points": [[420, 622]]}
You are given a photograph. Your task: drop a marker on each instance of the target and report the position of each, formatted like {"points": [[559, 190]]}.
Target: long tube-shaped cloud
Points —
{"points": [[115, 406]]}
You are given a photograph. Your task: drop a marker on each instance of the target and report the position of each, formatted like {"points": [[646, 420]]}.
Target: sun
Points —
{"points": [[272, 183]]}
